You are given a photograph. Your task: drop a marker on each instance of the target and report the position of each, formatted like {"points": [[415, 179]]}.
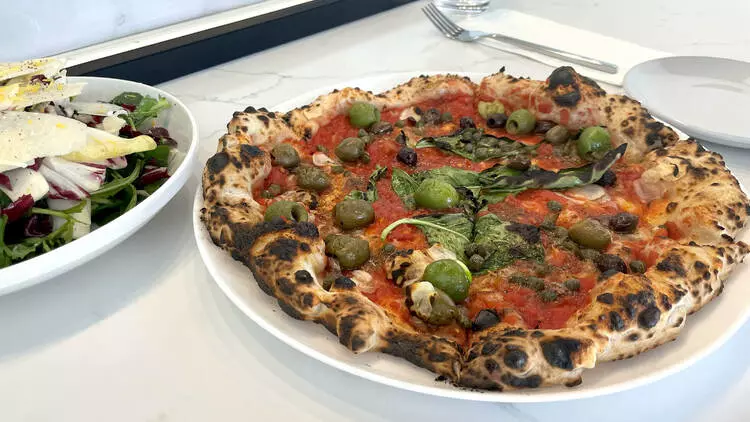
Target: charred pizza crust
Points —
{"points": [[628, 313]]}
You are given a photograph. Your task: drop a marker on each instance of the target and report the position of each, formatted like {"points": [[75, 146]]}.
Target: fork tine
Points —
{"points": [[447, 22], [438, 24]]}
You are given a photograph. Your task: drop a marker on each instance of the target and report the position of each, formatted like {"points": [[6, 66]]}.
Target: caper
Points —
{"points": [[543, 269], [321, 148], [399, 123], [365, 158], [389, 248], [530, 282], [637, 267], [401, 138], [353, 214], [547, 295], [350, 149], [285, 155], [476, 262], [351, 252], [554, 206], [623, 222], [521, 163], [431, 116], [446, 117], [557, 135], [588, 254], [466, 122], [380, 128], [573, 284], [288, 210], [590, 234], [606, 262], [312, 178], [543, 126]]}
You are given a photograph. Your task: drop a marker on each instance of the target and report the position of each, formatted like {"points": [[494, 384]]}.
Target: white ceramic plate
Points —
{"points": [[182, 127], [706, 97], [705, 331]]}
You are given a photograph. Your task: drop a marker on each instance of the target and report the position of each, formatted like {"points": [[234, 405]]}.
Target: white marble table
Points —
{"points": [[143, 334]]}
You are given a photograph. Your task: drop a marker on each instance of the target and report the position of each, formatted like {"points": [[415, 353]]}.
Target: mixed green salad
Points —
{"points": [[67, 166]]}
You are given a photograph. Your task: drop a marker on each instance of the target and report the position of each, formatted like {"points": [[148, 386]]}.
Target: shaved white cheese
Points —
{"points": [[20, 95], [112, 124], [26, 136], [587, 192], [96, 108], [25, 182], [82, 225], [320, 159], [437, 252], [47, 66]]}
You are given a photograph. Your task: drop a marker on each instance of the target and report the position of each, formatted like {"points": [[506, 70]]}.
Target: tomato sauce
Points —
{"points": [[518, 305]]}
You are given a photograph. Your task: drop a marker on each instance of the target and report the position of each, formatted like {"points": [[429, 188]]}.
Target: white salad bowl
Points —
{"points": [[182, 128]]}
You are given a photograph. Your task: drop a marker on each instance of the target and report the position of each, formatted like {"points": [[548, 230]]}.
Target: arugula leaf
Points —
{"points": [[502, 179], [371, 194], [148, 107], [476, 145], [507, 246], [452, 231], [111, 188]]}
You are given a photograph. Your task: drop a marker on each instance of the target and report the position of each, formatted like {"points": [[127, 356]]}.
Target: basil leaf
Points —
{"points": [[502, 179], [404, 185], [451, 231], [507, 245], [371, 194], [456, 177]]}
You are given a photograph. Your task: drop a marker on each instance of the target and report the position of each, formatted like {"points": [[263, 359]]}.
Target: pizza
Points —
{"points": [[504, 235]]}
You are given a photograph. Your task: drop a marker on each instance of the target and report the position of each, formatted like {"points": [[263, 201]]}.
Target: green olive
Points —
{"points": [[590, 233], [353, 214], [520, 122], [351, 149], [363, 114], [285, 155], [288, 210], [436, 194], [593, 143], [449, 276], [486, 108], [558, 135], [351, 252], [444, 311], [312, 178]]}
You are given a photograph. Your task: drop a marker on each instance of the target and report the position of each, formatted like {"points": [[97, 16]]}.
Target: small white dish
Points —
{"points": [[705, 332], [182, 127], [706, 97]]}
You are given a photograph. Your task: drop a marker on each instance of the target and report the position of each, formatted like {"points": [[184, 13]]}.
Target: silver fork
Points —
{"points": [[455, 32]]}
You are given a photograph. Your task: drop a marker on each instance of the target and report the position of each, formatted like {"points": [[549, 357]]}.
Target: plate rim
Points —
{"points": [[88, 247], [204, 244], [727, 139]]}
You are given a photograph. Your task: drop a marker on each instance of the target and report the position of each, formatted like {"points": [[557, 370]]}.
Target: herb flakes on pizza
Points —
{"points": [[504, 235]]}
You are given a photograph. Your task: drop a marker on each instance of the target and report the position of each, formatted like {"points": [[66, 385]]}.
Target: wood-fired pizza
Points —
{"points": [[507, 234]]}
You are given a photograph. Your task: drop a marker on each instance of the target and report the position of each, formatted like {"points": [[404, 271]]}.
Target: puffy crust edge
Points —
{"points": [[285, 259]]}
